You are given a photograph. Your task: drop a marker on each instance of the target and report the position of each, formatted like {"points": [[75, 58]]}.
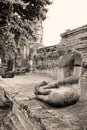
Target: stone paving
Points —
{"points": [[43, 116]]}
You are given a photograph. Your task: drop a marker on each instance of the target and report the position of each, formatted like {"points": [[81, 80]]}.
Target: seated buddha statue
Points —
{"points": [[66, 90]]}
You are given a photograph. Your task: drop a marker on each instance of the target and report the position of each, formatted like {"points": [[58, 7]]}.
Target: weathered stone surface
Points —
{"points": [[76, 38], [41, 115], [52, 119], [17, 118], [6, 105]]}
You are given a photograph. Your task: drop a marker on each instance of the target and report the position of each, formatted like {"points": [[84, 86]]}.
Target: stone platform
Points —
{"points": [[33, 114]]}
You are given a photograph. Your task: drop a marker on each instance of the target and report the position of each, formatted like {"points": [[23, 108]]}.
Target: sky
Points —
{"points": [[63, 15]]}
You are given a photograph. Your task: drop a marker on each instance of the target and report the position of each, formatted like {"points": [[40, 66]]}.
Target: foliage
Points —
{"points": [[17, 20], [31, 9]]}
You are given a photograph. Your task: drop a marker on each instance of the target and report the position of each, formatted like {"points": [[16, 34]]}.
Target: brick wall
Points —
{"points": [[77, 39]]}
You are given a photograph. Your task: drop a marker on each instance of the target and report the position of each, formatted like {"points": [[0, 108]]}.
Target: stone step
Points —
{"points": [[85, 74], [16, 120], [9, 124], [2, 128], [22, 119], [84, 80], [15, 123], [84, 77]]}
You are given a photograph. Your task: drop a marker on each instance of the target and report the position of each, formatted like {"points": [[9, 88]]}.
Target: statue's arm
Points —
{"points": [[69, 80]]}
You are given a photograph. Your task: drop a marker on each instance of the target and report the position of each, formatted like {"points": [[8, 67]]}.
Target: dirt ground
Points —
{"points": [[68, 118]]}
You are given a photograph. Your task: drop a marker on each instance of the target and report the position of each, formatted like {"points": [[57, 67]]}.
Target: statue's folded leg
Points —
{"points": [[43, 98], [42, 91], [63, 96], [38, 86], [44, 88]]}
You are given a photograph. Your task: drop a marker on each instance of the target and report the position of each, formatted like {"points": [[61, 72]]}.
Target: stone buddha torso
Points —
{"points": [[66, 65]]}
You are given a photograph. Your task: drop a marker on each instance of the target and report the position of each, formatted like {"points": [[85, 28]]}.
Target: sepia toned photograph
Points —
{"points": [[43, 65]]}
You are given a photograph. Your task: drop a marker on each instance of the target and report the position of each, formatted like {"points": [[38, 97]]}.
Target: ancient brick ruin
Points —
{"points": [[47, 57], [77, 39]]}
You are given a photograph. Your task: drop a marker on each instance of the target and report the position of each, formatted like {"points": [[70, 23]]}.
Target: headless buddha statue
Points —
{"points": [[66, 91]]}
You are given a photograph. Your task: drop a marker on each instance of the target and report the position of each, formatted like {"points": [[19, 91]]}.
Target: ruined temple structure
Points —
{"points": [[25, 45], [77, 39], [47, 57]]}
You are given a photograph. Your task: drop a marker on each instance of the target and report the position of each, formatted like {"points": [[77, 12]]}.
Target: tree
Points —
{"points": [[31, 9], [16, 20]]}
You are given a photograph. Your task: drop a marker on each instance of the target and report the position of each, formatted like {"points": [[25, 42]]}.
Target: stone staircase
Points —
{"points": [[84, 77], [16, 120]]}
